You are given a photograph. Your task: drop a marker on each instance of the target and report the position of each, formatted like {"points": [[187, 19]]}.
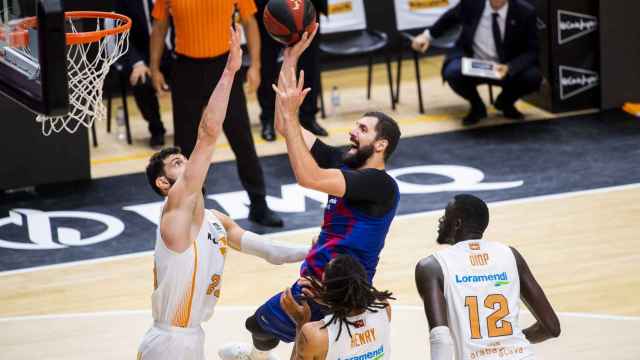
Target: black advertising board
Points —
{"points": [[569, 55], [620, 53]]}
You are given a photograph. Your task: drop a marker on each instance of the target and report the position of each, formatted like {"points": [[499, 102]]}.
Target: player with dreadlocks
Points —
{"points": [[352, 304]]}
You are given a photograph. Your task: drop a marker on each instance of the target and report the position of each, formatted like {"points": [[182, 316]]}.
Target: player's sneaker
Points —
{"points": [[243, 351]]}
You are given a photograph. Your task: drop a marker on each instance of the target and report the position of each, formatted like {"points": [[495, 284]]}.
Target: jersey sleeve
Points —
{"points": [[160, 10], [327, 157], [371, 185], [247, 8]]}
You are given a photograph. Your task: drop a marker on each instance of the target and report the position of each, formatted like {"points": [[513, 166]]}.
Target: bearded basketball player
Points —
{"points": [[471, 292], [362, 201], [192, 242]]}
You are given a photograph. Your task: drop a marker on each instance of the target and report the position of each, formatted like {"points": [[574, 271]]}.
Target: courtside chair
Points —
{"points": [[364, 42], [345, 34]]}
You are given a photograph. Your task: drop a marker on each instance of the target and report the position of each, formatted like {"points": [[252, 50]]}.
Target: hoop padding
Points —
{"points": [[90, 54]]}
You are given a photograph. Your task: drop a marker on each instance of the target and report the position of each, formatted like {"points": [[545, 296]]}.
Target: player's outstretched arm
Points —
{"points": [[184, 201], [547, 325], [274, 252], [308, 137], [291, 57], [430, 284], [290, 95]]}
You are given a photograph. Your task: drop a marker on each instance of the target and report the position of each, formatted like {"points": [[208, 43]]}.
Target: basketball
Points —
{"points": [[287, 20]]}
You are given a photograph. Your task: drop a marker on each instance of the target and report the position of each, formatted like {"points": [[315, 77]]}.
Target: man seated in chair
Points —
{"points": [[502, 31]]}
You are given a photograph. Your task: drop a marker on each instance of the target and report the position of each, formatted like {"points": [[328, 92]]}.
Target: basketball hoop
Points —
{"points": [[90, 54]]}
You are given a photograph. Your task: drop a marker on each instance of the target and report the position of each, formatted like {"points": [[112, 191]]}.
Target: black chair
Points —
{"points": [[445, 42], [355, 43], [118, 72]]}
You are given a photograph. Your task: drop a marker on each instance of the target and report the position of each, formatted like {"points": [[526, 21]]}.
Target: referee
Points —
{"points": [[202, 32]]}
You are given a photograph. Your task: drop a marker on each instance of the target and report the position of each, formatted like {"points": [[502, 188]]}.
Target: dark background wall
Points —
{"points": [[620, 61]]}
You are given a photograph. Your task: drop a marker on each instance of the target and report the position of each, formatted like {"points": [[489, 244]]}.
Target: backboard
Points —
{"points": [[33, 67]]}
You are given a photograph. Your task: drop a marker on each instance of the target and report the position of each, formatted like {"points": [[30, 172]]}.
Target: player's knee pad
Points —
{"points": [[252, 324], [262, 340], [264, 343]]}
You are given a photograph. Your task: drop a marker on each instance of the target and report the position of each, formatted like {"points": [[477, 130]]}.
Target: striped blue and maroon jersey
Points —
{"points": [[357, 223]]}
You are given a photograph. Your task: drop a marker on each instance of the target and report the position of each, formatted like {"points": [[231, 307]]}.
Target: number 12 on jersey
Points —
{"points": [[495, 325]]}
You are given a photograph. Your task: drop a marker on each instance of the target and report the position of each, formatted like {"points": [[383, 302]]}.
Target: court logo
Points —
{"points": [[572, 25], [43, 235], [293, 197], [574, 81]]}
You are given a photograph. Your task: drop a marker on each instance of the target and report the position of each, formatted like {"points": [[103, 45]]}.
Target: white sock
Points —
{"points": [[259, 354]]}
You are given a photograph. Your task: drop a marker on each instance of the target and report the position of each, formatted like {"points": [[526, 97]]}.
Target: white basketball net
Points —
{"points": [[88, 66]]}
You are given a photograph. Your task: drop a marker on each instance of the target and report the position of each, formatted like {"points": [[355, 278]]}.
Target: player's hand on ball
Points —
{"points": [[420, 43], [234, 61], [292, 53], [299, 313]]}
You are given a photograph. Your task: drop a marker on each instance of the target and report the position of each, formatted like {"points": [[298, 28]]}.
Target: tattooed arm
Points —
{"points": [[311, 342]]}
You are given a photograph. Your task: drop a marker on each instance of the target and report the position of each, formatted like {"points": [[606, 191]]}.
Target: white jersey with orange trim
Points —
{"points": [[187, 285], [482, 291], [186, 290], [370, 337]]}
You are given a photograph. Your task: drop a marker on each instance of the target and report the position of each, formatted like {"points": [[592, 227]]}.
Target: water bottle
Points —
{"points": [[121, 130], [335, 99]]}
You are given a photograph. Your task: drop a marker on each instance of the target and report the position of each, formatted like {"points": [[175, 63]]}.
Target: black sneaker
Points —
{"points": [[265, 217], [268, 133], [156, 140]]}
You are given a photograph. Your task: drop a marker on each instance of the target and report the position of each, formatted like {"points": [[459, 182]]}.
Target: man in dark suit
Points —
{"points": [[310, 63], [136, 63], [503, 31]]}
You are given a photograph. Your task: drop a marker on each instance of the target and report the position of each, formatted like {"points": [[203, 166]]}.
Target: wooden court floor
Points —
{"points": [[581, 246]]}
